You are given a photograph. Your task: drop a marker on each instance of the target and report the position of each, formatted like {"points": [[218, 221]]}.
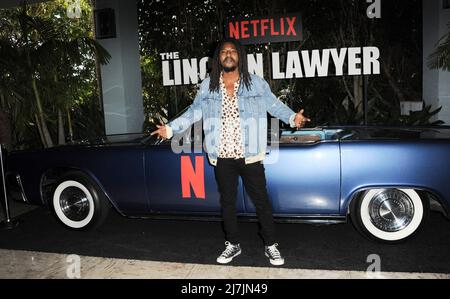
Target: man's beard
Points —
{"points": [[229, 69]]}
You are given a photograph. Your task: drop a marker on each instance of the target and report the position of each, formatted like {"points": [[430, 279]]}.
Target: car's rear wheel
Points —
{"points": [[78, 202], [389, 215]]}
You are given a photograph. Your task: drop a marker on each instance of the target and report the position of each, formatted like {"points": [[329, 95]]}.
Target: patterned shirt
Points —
{"points": [[230, 145]]}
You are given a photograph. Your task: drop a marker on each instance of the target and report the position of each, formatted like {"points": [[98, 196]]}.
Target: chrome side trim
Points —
{"points": [[22, 191]]}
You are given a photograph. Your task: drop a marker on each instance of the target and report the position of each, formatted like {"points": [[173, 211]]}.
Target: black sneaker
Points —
{"points": [[230, 252], [274, 255]]}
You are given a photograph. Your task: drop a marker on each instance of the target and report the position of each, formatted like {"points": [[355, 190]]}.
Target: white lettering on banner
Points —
{"points": [[203, 67], [256, 66], [339, 60], [167, 81], [190, 71], [276, 73], [170, 55], [293, 66], [177, 71], [371, 58], [297, 64], [354, 61], [315, 63]]}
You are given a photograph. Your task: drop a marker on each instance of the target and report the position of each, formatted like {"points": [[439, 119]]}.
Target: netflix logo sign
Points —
{"points": [[275, 29]]}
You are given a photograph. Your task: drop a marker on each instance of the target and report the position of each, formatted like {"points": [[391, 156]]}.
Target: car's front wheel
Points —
{"points": [[389, 215], [78, 202]]}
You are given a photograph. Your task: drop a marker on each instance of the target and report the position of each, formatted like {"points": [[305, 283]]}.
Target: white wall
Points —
{"points": [[436, 83], [121, 77]]}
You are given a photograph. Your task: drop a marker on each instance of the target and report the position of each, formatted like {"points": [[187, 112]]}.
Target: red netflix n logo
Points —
{"points": [[191, 177]]}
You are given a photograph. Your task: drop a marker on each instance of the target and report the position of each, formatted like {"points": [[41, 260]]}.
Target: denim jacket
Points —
{"points": [[253, 104]]}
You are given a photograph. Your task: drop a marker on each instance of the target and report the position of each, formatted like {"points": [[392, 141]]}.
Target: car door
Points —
{"points": [[183, 182], [303, 174]]}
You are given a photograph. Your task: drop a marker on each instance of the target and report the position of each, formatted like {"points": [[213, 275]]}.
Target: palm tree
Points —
{"points": [[440, 58], [42, 62]]}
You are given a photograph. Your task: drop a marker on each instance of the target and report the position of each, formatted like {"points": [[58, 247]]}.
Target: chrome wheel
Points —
{"points": [[78, 201], [74, 203], [391, 210], [389, 214]]}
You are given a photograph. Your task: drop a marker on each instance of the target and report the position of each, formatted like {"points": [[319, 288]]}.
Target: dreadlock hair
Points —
{"points": [[216, 66]]}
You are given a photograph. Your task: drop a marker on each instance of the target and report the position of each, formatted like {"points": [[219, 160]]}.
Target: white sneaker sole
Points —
{"points": [[275, 262], [226, 261]]}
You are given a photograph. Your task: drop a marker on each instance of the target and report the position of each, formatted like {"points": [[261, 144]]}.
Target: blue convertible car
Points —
{"points": [[382, 179]]}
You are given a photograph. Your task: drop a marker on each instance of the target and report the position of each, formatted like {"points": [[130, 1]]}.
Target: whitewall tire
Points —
{"points": [[78, 203], [389, 215]]}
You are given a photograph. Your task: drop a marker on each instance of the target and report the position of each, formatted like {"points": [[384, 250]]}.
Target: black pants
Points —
{"points": [[227, 172]]}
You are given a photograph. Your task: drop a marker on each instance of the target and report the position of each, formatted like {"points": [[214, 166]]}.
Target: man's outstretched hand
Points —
{"points": [[300, 120], [161, 131]]}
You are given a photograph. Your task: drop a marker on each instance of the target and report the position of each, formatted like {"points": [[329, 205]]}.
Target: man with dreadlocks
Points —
{"points": [[234, 104]]}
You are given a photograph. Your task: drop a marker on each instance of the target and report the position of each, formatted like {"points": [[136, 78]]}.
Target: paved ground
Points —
{"points": [[16, 209], [30, 264], [124, 248]]}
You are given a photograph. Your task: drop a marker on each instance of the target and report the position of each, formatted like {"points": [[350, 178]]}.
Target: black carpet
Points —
{"points": [[333, 247]]}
